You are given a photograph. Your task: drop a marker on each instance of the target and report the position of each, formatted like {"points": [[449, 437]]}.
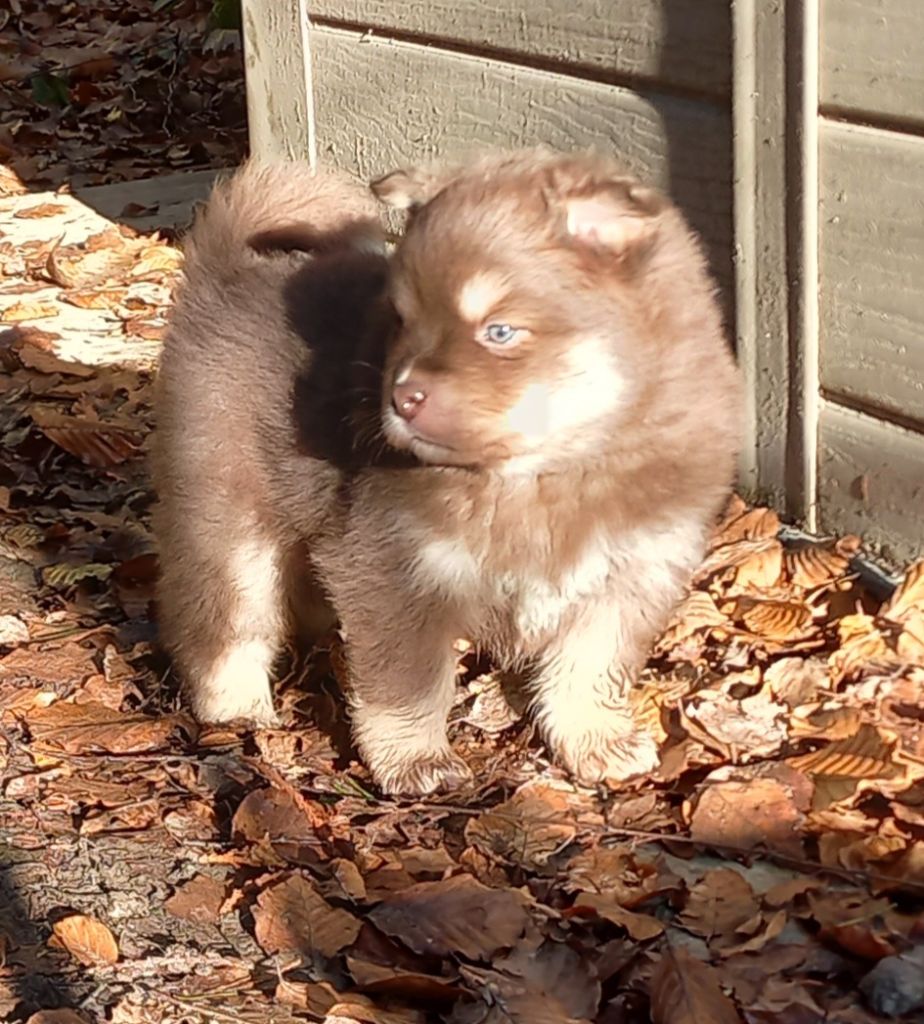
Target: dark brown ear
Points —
{"points": [[616, 215]]}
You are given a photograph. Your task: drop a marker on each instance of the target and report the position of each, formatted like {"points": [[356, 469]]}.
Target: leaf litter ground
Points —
{"points": [[113, 90], [771, 871]]}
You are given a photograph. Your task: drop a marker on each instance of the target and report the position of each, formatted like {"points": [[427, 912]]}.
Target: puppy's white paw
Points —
{"points": [[437, 771], [236, 687], [598, 756], [220, 709]]}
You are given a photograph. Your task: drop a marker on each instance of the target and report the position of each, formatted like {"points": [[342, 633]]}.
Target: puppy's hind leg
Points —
{"points": [[223, 618]]}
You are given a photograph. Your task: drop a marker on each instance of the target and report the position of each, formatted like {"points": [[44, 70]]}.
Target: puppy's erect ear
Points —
{"points": [[615, 215], [407, 189]]}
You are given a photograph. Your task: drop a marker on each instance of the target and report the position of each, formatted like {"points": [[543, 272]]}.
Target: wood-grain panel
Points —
{"points": [[278, 79], [872, 58], [872, 268], [683, 42], [871, 482]]}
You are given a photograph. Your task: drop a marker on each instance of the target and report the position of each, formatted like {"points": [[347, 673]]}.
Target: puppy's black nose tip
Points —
{"points": [[407, 399]]}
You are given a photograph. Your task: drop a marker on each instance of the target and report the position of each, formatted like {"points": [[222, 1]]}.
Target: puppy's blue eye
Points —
{"points": [[500, 334]]}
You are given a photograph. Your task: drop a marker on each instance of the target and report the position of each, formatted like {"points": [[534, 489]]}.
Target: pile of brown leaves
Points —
{"points": [[771, 872], [109, 90]]}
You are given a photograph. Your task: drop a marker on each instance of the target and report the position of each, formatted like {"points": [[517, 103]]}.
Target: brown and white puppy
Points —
{"points": [[562, 385], [254, 403]]}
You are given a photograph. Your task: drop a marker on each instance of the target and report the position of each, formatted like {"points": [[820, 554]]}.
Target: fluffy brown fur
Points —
{"points": [[567, 407], [263, 371]]}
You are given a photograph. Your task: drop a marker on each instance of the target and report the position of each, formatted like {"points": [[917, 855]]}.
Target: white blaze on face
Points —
{"points": [[589, 388], [479, 296], [531, 415]]}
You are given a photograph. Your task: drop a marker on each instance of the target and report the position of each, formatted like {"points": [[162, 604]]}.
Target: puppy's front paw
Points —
{"points": [[598, 756], [257, 712], [438, 771], [234, 687]]}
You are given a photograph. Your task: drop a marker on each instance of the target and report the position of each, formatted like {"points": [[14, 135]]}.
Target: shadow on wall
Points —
{"points": [[697, 122]]}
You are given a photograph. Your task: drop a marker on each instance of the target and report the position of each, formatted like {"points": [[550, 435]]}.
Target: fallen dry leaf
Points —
{"points": [[910, 645], [774, 620], [855, 923], [826, 721], [697, 612], [720, 561], [94, 298], [62, 664], [839, 767], [64, 574], [157, 259], [63, 1016], [199, 900], [718, 905], [491, 711], [292, 917], [86, 939], [536, 822], [84, 728], [294, 826], [815, 565], [20, 311], [196, 822], [796, 681], [640, 927], [551, 985], [621, 873], [745, 523], [140, 327], [754, 726], [399, 869], [861, 644], [761, 571], [456, 915], [326, 1004], [685, 990], [93, 442], [36, 351], [763, 930], [13, 631], [748, 812], [909, 594], [39, 211]]}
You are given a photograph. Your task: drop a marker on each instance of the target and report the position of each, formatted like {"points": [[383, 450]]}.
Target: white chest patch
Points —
{"points": [[539, 603], [536, 601], [649, 558]]}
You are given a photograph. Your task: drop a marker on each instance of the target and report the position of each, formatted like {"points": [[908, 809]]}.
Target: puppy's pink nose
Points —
{"points": [[408, 399]]}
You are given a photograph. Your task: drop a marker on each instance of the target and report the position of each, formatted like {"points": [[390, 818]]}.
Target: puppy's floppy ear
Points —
{"points": [[407, 189], [615, 215]]}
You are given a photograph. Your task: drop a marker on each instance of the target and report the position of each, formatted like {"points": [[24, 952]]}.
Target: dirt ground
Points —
{"points": [[772, 870]]}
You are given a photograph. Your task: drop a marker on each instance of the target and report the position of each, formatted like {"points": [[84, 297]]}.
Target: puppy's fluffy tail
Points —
{"points": [[264, 208]]}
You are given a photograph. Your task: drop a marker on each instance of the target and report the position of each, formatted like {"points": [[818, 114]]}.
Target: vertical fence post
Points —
{"points": [[805, 387], [774, 115], [277, 61]]}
